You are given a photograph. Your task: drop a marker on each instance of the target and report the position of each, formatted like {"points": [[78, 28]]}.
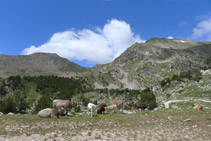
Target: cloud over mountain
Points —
{"points": [[91, 46], [202, 30]]}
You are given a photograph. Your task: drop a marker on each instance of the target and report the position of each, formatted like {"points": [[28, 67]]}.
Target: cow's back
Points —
{"points": [[45, 113], [60, 103]]}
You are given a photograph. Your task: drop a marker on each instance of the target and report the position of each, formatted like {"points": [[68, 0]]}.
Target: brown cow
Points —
{"points": [[141, 106], [198, 107], [119, 103], [102, 104], [111, 108]]}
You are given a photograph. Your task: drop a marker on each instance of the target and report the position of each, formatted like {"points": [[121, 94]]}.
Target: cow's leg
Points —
{"points": [[91, 112]]}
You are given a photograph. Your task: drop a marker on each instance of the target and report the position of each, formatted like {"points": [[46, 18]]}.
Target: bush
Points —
{"points": [[21, 103], [176, 78], [8, 105], [43, 103], [84, 100], [129, 106], [168, 96], [77, 109], [147, 97]]}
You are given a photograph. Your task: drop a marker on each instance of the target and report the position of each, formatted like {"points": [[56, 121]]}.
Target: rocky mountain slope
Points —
{"points": [[171, 68], [151, 63], [36, 64]]}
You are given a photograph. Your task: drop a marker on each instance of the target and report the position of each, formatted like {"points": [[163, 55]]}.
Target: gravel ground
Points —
{"points": [[150, 125]]}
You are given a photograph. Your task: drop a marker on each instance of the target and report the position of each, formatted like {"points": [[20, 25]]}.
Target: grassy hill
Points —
{"points": [[37, 64]]}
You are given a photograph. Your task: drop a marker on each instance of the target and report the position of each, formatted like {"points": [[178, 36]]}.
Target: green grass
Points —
{"points": [[195, 91], [170, 120], [183, 104]]}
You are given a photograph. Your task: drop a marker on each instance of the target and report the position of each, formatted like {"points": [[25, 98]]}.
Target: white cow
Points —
{"points": [[92, 108]]}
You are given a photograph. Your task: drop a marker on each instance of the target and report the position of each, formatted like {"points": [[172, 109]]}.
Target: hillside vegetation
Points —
{"points": [[30, 94]]}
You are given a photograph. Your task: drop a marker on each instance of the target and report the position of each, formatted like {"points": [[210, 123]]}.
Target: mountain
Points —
{"points": [[171, 68], [163, 65], [37, 64]]}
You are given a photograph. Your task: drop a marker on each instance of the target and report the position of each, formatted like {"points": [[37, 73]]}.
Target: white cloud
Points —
{"points": [[99, 46], [202, 30], [170, 37]]}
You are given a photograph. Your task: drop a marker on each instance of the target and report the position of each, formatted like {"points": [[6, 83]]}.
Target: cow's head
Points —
{"points": [[74, 104]]}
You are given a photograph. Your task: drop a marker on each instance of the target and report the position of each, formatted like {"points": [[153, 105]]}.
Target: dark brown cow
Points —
{"points": [[101, 110], [141, 106]]}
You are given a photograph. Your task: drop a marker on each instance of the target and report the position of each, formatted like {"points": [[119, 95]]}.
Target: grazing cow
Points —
{"points": [[119, 103], [66, 104], [102, 104], [141, 106], [111, 108], [198, 107], [91, 107], [101, 110], [49, 113]]}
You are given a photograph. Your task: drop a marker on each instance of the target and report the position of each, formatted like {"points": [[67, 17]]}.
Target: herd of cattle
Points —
{"points": [[61, 107]]}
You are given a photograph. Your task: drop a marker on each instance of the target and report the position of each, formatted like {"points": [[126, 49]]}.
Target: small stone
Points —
{"points": [[10, 114], [194, 126], [187, 120]]}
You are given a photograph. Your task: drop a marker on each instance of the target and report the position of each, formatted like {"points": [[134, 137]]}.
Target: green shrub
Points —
{"points": [[168, 96], [84, 100], [43, 103], [77, 109], [147, 97], [176, 78], [8, 105], [129, 106]]}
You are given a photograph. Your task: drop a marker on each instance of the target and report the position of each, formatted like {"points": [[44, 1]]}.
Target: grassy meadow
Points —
{"points": [[167, 124]]}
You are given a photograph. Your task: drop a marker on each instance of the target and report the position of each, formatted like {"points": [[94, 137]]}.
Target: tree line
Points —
{"points": [[14, 96]]}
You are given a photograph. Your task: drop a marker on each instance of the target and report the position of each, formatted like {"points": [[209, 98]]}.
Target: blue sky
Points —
{"points": [[91, 32]]}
